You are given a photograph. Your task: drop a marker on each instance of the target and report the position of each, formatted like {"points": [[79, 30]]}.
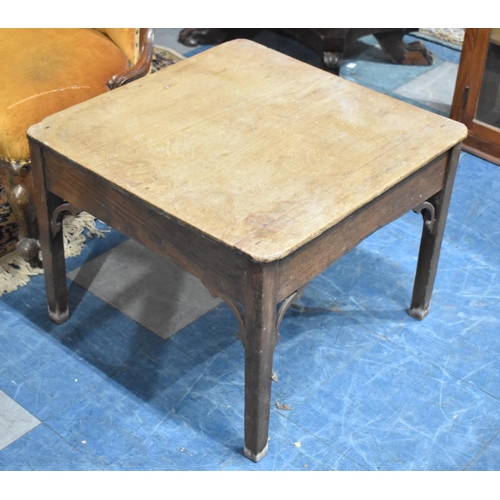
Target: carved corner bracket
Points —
{"points": [[286, 303], [240, 313], [428, 212], [59, 213]]}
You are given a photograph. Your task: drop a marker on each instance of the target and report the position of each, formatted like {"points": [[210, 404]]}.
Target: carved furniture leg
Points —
{"points": [[260, 340], [193, 37], [412, 54], [51, 241], [333, 61], [17, 180], [434, 212]]}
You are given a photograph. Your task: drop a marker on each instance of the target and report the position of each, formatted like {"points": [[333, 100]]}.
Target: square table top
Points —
{"points": [[251, 147]]}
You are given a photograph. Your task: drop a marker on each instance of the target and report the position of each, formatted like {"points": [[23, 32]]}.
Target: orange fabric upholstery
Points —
{"points": [[68, 66], [127, 39]]}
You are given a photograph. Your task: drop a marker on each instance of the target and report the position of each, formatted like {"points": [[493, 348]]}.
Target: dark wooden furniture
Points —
{"points": [[476, 101], [330, 43], [255, 187]]}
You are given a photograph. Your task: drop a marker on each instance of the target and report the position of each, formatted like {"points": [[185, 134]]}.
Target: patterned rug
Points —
{"points": [[450, 37], [164, 57], [14, 272], [8, 227]]}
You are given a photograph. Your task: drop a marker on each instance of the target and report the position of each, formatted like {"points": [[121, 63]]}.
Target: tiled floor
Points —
{"points": [[369, 387]]}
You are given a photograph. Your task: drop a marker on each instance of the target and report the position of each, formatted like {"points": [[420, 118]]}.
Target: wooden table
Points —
{"points": [[252, 171]]}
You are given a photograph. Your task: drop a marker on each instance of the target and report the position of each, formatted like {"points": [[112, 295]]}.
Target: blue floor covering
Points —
{"points": [[368, 387]]}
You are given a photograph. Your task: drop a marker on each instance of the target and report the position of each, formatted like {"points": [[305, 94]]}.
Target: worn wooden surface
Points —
{"points": [[260, 153], [304, 264], [253, 172]]}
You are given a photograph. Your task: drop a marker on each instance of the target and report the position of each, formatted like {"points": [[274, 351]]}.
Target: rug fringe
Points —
{"points": [[74, 239], [175, 53], [15, 272], [449, 37]]}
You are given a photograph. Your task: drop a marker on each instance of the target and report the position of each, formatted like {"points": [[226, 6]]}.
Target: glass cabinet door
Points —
{"points": [[476, 101], [488, 105]]}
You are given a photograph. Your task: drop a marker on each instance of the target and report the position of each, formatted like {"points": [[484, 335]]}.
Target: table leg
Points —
{"points": [[51, 243], [435, 211], [260, 340]]}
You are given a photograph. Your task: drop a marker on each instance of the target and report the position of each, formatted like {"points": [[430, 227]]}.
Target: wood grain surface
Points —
{"points": [[250, 147]]}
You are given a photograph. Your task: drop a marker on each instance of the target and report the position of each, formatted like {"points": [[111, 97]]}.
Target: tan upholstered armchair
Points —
{"points": [[48, 70]]}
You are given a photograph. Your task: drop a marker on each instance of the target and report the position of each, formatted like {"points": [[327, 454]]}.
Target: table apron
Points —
{"points": [[310, 260], [221, 269]]}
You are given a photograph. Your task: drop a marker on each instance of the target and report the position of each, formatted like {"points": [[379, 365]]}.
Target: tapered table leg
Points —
{"points": [[432, 237], [260, 340], [51, 243]]}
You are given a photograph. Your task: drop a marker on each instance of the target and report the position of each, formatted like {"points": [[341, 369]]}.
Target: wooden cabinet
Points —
{"points": [[476, 101]]}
